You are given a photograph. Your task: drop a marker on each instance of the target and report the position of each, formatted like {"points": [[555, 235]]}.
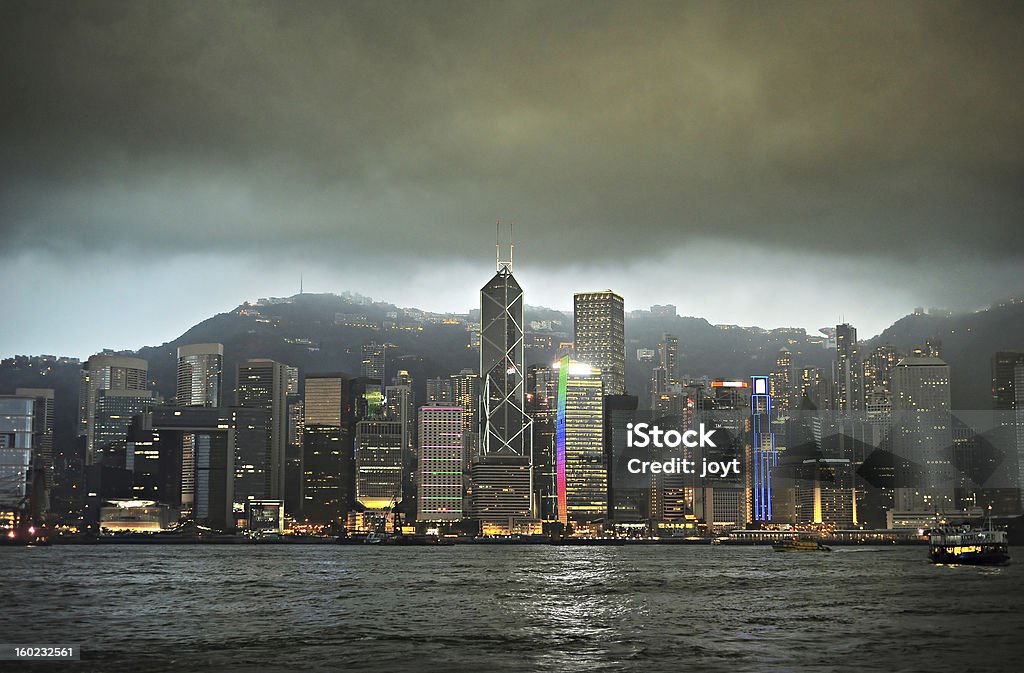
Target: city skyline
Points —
{"points": [[637, 147]]}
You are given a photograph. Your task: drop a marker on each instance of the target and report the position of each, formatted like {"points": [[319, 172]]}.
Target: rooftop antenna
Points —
{"points": [[300, 283], [511, 242], [503, 265]]}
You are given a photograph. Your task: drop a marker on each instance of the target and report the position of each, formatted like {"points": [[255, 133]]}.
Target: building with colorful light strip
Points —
{"points": [[581, 472], [439, 482], [764, 455]]}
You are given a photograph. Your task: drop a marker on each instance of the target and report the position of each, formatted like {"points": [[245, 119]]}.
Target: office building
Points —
{"points": [[502, 472], [439, 484], [378, 465], [599, 337], [439, 391], [16, 434], [42, 429], [327, 450], [668, 356], [764, 456], [374, 361], [263, 384], [113, 411], [782, 386], [848, 371], [105, 372], [542, 405], [200, 377], [922, 435], [581, 467], [1004, 389]]}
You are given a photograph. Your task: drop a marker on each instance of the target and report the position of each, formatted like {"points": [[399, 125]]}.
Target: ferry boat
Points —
{"points": [[969, 546], [797, 544]]}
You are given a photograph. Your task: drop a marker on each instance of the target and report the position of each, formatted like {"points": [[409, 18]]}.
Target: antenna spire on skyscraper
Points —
{"points": [[503, 264]]}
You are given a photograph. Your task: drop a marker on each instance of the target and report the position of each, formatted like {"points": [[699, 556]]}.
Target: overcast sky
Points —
{"points": [[755, 163]]}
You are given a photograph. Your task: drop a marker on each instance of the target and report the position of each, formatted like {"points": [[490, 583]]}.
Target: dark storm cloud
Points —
{"points": [[879, 130]]}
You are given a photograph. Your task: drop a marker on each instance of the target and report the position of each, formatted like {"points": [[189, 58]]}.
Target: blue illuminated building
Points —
{"points": [[765, 456]]}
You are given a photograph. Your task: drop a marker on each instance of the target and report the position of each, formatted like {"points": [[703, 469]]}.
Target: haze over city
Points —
{"points": [[752, 165]]}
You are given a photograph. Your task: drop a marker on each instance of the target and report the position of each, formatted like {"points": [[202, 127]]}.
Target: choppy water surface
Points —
{"points": [[477, 608]]}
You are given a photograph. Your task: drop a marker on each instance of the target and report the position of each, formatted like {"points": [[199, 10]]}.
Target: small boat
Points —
{"points": [[969, 546], [797, 544]]}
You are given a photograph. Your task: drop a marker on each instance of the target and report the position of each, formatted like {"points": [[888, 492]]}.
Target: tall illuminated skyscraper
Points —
{"points": [[582, 472], [374, 361], [199, 384], [327, 450], [400, 406], [105, 372], [922, 435], [42, 428], [466, 394], [502, 473], [199, 375], [263, 384], [439, 483], [668, 355], [378, 464], [600, 338], [780, 382], [849, 371], [764, 456]]}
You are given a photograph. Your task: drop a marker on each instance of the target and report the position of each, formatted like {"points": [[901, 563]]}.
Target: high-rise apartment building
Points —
{"points": [[668, 356]]}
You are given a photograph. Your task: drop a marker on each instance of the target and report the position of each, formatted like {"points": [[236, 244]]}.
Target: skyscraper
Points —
{"points": [[764, 456], [1003, 382], [199, 384], [439, 391], [582, 473], [922, 435], [400, 406], [378, 464], [668, 355], [542, 405], [105, 372], [439, 486], [16, 436], [878, 368], [848, 371], [263, 384], [327, 450], [42, 428], [374, 361], [466, 394], [781, 385], [199, 375], [502, 473], [600, 341]]}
